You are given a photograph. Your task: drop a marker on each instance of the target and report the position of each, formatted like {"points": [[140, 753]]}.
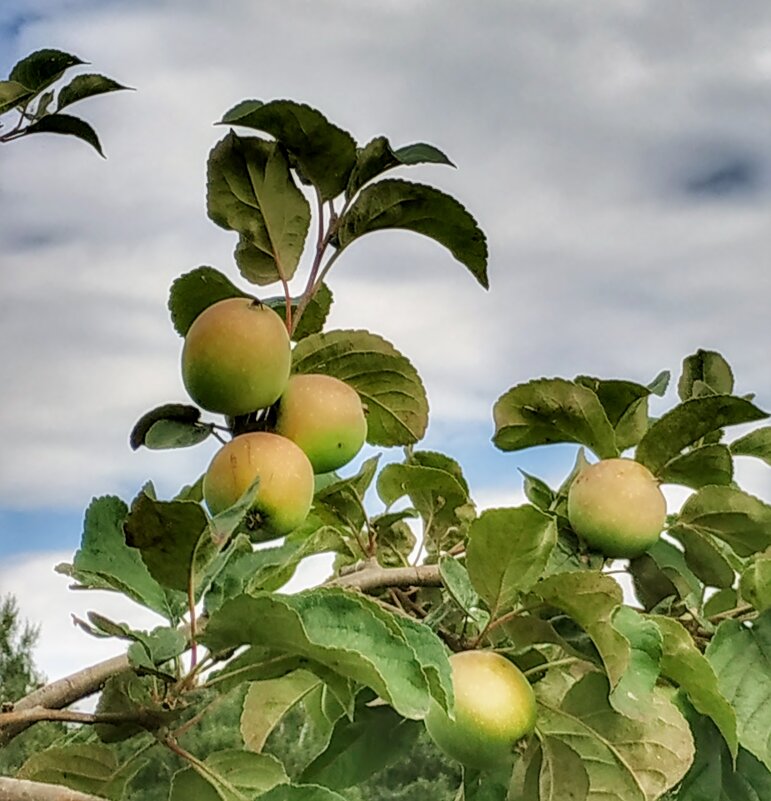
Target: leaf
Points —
{"points": [[421, 153], [708, 464], [250, 190], [229, 775], [687, 423], [68, 125], [42, 68], [83, 86], [392, 203], [741, 657], [555, 773], [551, 410], [12, 94], [704, 558], [104, 561], [185, 416], [660, 384], [458, 584], [86, 768], [342, 502], [268, 701], [633, 760], [684, 664], [369, 648], [314, 316], [507, 552], [323, 153], [538, 492], [721, 601], [755, 582], [360, 748], [152, 650], [395, 399], [729, 514], [300, 792], [193, 292], [662, 571], [136, 696], [166, 434], [757, 443], [707, 367]]}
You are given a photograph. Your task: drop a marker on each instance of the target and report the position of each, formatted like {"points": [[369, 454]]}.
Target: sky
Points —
{"points": [[617, 154]]}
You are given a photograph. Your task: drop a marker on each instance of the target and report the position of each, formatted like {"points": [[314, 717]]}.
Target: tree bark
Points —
{"points": [[22, 790]]}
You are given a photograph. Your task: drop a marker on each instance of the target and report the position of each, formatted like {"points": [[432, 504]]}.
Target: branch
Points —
{"points": [[372, 577], [64, 692], [39, 713], [21, 790]]}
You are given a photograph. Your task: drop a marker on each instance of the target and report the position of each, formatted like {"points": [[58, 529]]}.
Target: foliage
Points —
{"points": [[636, 697]]}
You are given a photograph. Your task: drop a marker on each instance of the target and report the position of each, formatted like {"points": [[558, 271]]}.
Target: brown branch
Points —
{"points": [[372, 578], [38, 713], [22, 790]]}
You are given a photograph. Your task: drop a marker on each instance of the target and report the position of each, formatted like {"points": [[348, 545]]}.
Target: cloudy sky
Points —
{"points": [[617, 154]]}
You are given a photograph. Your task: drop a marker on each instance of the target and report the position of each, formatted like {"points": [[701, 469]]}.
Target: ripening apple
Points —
{"points": [[494, 708], [617, 506], [324, 416], [236, 357], [285, 491]]}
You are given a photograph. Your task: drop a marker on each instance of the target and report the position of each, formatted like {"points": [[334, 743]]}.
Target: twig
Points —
{"points": [[39, 713], [376, 578], [23, 790]]}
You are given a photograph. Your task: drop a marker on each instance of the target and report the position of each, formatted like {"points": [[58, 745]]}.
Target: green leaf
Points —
{"points": [[757, 443], [660, 384], [662, 571], [323, 154], [300, 792], [528, 630], [193, 292], [553, 772], [704, 558], [185, 417], [152, 650], [229, 775], [268, 701], [68, 125], [83, 86], [42, 68], [456, 581], [166, 434], [314, 316], [755, 582], [721, 601], [729, 514], [551, 410], [741, 657], [394, 538], [341, 502], [538, 492], [422, 209], [707, 367], [12, 94], [130, 694], [708, 464], [684, 664], [507, 552], [86, 768], [360, 748], [369, 648], [687, 423], [633, 760], [104, 561], [421, 153], [250, 190], [389, 386]]}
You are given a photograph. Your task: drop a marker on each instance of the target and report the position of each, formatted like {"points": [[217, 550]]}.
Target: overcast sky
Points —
{"points": [[616, 153]]}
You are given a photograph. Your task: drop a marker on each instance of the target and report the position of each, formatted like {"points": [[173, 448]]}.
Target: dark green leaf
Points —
{"points": [[166, 434], [626, 406], [708, 464], [42, 68], [705, 558], [421, 153], [415, 207], [390, 387], [323, 153], [300, 792], [687, 423], [83, 86], [721, 601], [538, 492], [68, 125], [314, 316], [172, 412], [662, 571], [707, 367], [195, 291], [12, 94], [757, 443], [551, 410], [660, 384]]}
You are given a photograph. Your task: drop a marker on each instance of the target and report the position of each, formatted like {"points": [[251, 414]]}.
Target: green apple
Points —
{"points": [[494, 708], [285, 491], [324, 416], [236, 358], [617, 507]]}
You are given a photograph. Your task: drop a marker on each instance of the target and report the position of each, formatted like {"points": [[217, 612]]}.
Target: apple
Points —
{"points": [[285, 491], [324, 416], [236, 358], [617, 507], [494, 708]]}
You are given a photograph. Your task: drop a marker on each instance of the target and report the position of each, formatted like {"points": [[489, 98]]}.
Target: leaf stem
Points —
{"points": [[568, 660], [191, 611]]}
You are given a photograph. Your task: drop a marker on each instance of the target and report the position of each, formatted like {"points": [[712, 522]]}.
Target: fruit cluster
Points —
{"points": [[236, 361]]}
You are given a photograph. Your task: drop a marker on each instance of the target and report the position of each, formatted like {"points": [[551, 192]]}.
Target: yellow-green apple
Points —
{"points": [[236, 358], [285, 489], [617, 506], [324, 416], [494, 708]]}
